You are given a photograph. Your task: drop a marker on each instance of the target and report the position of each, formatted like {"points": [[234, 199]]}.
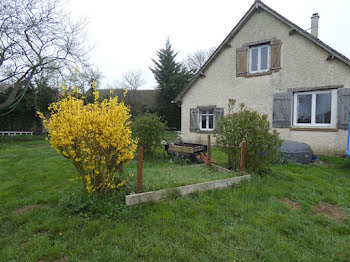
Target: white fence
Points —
{"points": [[15, 133]]}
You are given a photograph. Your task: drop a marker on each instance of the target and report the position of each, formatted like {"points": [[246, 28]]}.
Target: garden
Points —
{"points": [[45, 216]]}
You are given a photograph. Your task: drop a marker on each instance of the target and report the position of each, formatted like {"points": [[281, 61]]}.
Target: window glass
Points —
{"points": [[264, 58], [304, 108], [206, 119], [323, 108], [203, 122], [254, 59], [211, 122], [259, 58]]}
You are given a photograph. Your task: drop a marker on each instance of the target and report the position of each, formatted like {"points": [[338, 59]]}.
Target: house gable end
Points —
{"points": [[256, 8]]}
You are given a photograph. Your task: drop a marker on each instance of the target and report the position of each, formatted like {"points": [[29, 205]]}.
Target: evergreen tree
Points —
{"points": [[171, 77]]}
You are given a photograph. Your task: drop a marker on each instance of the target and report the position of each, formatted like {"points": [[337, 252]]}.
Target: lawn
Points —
{"points": [[243, 223]]}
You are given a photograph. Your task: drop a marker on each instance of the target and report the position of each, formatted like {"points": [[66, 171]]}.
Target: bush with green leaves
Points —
{"points": [[150, 131], [262, 143]]}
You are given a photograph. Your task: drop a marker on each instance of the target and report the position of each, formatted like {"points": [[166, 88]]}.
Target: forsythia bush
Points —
{"points": [[95, 136], [262, 143]]}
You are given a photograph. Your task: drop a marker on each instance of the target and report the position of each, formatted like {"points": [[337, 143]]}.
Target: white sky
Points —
{"points": [[127, 33]]}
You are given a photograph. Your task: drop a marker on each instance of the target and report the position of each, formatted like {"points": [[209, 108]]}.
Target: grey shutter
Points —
{"points": [[194, 119], [241, 61], [282, 111], [275, 54], [343, 108], [218, 112]]}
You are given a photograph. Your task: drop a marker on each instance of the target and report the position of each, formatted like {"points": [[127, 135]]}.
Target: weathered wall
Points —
{"points": [[303, 65]]}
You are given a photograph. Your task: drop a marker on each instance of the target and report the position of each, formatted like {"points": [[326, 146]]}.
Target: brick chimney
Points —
{"points": [[314, 24]]}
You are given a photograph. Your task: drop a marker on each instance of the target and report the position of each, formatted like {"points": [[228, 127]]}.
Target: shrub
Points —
{"points": [[149, 130], [262, 144], [96, 137]]}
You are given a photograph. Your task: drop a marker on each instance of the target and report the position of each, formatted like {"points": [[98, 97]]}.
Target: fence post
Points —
{"points": [[209, 151], [242, 157], [139, 169]]}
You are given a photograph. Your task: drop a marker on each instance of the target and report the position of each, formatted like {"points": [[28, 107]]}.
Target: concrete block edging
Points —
{"points": [[135, 199]]}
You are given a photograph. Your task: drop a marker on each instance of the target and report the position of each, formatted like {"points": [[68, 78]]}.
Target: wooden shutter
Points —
{"points": [[194, 119], [218, 113], [241, 61], [343, 108], [275, 54], [282, 110]]}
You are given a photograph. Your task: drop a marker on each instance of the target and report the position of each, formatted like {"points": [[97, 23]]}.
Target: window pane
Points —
{"points": [[304, 108], [323, 108], [211, 111], [264, 57], [204, 122], [203, 112], [211, 122], [254, 59]]}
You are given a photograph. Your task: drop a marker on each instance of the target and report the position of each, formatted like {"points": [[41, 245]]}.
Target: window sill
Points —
{"points": [[205, 131], [258, 74], [317, 129]]}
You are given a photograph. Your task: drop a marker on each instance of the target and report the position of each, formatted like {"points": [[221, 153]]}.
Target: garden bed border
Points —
{"points": [[135, 199]]}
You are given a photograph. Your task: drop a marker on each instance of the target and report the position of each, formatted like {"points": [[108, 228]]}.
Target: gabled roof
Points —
{"points": [[258, 4]]}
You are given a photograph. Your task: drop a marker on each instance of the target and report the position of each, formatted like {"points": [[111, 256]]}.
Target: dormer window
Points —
{"points": [[259, 58]]}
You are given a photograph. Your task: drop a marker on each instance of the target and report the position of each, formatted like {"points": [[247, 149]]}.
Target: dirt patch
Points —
{"points": [[27, 209], [332, 212], [289, 202]]}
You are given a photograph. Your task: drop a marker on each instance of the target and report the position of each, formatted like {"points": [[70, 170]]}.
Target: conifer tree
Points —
{"points": [[171, 77]]}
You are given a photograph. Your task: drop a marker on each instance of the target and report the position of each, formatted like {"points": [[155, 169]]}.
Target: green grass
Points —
{"points": [[243, 223]]}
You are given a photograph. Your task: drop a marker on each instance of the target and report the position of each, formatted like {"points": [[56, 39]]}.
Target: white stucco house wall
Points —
{"points": [[279, 69]]}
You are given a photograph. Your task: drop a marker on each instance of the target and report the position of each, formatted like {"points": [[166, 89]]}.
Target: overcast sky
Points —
{"points": [[127, 34]]}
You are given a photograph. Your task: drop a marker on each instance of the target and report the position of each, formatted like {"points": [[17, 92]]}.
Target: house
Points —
{"points": [[279, 69]]}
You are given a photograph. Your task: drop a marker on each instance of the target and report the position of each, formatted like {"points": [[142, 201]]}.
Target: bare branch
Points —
{"points": [[132, 80], [194, 61], [37, 36]]}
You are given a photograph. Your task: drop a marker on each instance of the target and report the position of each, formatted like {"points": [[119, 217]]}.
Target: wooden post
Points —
{"points": [[242, 157], [139, 170], [209, 151]]}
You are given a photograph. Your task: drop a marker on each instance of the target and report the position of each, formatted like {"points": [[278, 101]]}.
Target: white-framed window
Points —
{"points": [[259, 58], [206, 119], [315, 108]]}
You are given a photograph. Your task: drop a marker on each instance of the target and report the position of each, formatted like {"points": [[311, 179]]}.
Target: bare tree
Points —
{"points": [[132, 80], [82, 78], [194, 61], [37, 36]]}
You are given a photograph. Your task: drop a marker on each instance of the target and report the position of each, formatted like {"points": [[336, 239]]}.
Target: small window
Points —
{"points": [[313, 108], [259, 59], [206, 119]]}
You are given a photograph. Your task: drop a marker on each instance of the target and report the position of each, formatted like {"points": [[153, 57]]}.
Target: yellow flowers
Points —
{"points": [[96, 137], [126, 91]]}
